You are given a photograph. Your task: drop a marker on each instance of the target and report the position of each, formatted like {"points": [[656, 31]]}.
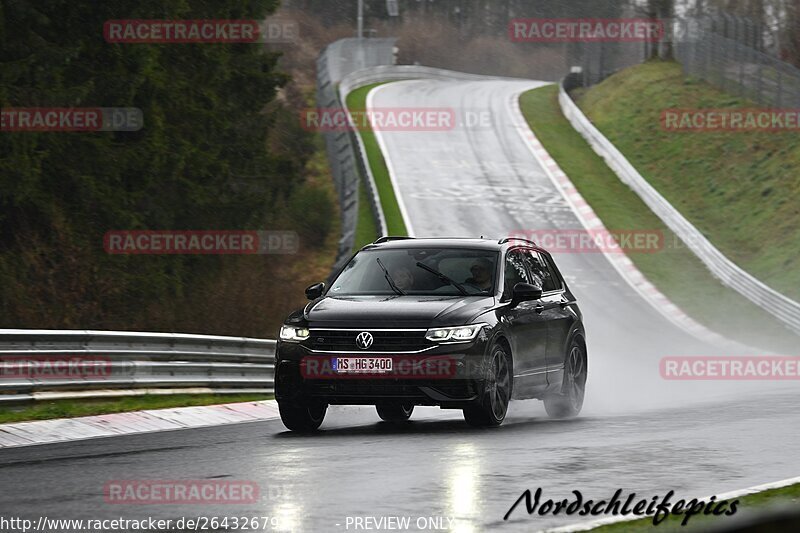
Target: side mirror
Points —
{"points": [[315, 291], [525, 292]]}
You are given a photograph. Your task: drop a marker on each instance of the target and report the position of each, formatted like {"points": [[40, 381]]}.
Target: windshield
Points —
{"points": [[418, 271]]}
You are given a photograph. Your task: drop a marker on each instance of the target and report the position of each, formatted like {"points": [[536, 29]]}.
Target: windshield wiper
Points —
{"points": [[442, 277], [389, 279]]}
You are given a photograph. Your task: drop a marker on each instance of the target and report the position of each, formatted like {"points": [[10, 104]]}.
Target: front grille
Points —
{"points": [[393, 341]]}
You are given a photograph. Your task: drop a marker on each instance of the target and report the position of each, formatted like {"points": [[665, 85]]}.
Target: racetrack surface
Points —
{"points": [[638, 432], [437, 466]]}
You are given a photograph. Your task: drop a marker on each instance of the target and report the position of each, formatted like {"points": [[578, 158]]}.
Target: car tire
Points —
{"points": [[303, 419], [491, 408], [568, 402], [394, 412]]}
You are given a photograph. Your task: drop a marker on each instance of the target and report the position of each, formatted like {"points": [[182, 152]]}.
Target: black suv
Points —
{"points": [[459, 323]]}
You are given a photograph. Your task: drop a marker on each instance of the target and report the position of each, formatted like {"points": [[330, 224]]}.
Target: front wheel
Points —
{"points": [[395, 413], [568, 403], [492, 407], [303, 419]]}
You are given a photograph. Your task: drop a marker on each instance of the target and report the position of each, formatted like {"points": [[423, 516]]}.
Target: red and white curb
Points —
{"points": [[114, 425], [589, 219]]}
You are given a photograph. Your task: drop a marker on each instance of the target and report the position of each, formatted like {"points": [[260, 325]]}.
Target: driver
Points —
{"points": [[402, 277], [481, 271]]}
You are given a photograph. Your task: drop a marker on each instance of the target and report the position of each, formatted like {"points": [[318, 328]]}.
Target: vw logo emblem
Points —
{"points": [[364, 340]]}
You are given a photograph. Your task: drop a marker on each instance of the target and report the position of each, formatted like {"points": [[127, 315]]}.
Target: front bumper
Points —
{"points": [[448, 376]]}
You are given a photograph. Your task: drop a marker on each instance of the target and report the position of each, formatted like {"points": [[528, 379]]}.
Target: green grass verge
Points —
{"points": [[741, 189], [778, 497], [675, 270], [45, 410], [357, 101], [366, 228]]}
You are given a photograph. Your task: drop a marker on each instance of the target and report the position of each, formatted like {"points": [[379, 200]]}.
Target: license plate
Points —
{"points": [[362, 365]]}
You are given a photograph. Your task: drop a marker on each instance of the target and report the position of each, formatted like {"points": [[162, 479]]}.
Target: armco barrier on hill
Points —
{"points": [[334, 63], [773, 302]]}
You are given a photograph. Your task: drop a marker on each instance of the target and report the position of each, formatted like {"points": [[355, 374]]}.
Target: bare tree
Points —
{"points": [[790, 49], [661, 10]]}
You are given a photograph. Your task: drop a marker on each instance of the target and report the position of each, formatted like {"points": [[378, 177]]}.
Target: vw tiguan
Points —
{"points": [[464, 324]]}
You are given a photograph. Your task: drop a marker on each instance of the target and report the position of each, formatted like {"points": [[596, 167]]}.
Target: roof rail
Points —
{"points": [[389, 238], [508, 239]]}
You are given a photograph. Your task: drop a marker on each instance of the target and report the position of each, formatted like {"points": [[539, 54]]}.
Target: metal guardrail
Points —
{"points": [[35, 364], [387, 73], [334, 63], [784, 309], [340, 159]]}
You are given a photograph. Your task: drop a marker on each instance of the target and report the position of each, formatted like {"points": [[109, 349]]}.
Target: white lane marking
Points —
{"points": [[589, 219], [112, 425], [585, 526], [389, 165]]}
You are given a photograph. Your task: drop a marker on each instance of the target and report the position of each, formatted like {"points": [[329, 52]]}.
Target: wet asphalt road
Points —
{"points": [[638, 432], [436, 466]]}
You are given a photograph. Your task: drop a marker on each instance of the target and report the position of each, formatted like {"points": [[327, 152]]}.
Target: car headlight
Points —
{"points": [[293, 333], [454, 334]]}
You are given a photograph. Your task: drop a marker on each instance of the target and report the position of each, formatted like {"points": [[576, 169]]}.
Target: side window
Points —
{"points": [[539, 269], [515, 271], [554, 279]]}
